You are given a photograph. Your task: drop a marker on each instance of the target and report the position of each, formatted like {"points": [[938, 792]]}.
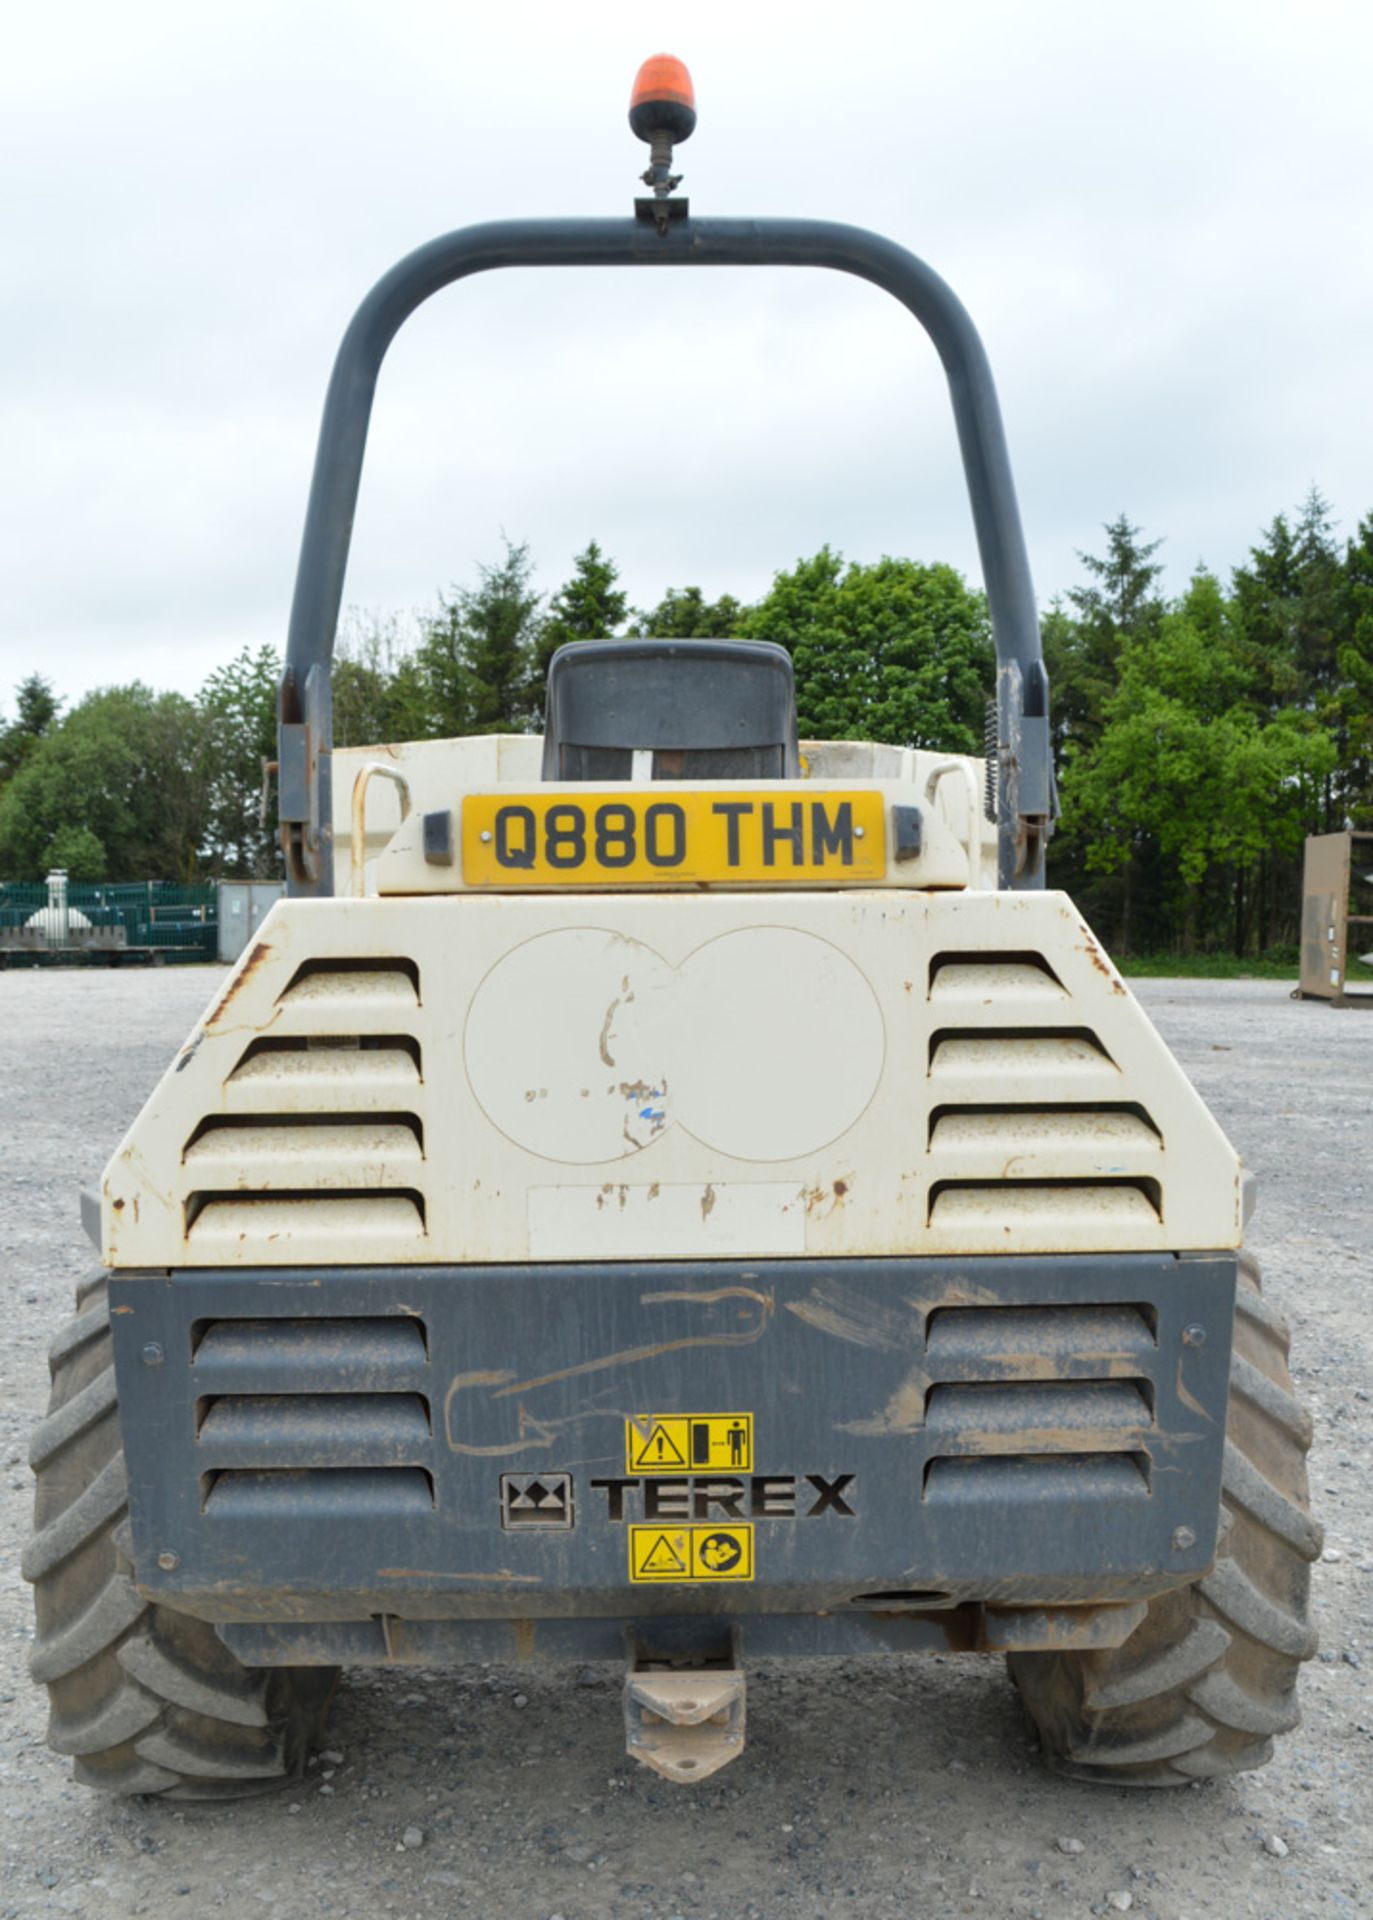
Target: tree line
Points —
{"points": [[1199, 738], [1202, 738]]}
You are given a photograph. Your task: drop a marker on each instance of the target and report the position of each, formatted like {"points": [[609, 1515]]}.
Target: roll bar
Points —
{"points": [[1024, 778]]}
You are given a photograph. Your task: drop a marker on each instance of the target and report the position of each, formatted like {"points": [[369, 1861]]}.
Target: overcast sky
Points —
{"points": [[1159, 216]]}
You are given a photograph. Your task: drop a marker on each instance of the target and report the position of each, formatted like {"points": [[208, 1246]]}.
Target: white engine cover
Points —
{"points": [[669, 1076]]}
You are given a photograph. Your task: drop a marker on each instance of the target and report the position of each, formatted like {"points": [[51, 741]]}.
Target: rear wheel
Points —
{"points": [[1209, 1677], [146, 1700]]}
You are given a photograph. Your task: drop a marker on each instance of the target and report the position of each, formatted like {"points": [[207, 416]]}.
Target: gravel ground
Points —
{"points": [[880, 1788]]}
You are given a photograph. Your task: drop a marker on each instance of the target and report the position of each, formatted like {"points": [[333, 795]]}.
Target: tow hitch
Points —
{"points": [[684, 1716]]}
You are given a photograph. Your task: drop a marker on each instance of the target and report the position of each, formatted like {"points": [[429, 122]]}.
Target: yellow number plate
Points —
{"points": [[653, 838]]}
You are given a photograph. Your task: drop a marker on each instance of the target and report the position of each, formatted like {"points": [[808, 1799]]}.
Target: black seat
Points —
{"points": [[705, 710]]}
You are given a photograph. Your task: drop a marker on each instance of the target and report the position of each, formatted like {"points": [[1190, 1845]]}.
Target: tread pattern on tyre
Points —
{"points": [[1209, 1677], [144, 1699]]}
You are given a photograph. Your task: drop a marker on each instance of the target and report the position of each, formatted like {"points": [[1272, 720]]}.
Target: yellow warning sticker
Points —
{"points": [[689, 1443], [690, 1553]]}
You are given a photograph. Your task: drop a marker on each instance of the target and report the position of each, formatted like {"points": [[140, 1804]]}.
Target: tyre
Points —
{"points": [[1209, 1677], [146, 1700]]}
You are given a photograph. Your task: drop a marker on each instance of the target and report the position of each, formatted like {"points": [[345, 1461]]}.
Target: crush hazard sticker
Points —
{"points": [[690, 1553], [689, 1443]]}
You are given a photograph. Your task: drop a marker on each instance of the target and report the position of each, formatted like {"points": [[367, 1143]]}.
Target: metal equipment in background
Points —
{"points": [[1336, 918], [67, 923], [242, 906]]}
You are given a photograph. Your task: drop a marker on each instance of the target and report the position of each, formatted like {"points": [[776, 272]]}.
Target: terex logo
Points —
{"points": [[755, 1496]]}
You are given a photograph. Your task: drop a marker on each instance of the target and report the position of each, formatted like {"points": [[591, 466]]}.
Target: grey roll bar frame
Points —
{"points": [[1024, 775]]}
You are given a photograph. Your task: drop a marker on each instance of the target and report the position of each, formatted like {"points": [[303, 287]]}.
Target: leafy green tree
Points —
{"points": [[36, 708], [1354, 659], [1119, 600], [125, 766], [1184, 762], [684, 613], [78, 850], [238, 703], [380, 692], [1265, 592], [1083, 634], [1321, 605], [1297, 617], [441, 660], [1120, 595], [476, 654], [894, 651], [589, 606], [1287, 598], [1067, 709]]}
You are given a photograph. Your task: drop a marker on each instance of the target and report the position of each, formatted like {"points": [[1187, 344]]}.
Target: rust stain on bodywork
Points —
{"points": [[1099, 960], [829, 1198], [622, 998], [257, 953]]}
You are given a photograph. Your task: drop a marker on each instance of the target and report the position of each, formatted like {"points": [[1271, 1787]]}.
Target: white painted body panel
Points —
{"points": [[505, 1078]]}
